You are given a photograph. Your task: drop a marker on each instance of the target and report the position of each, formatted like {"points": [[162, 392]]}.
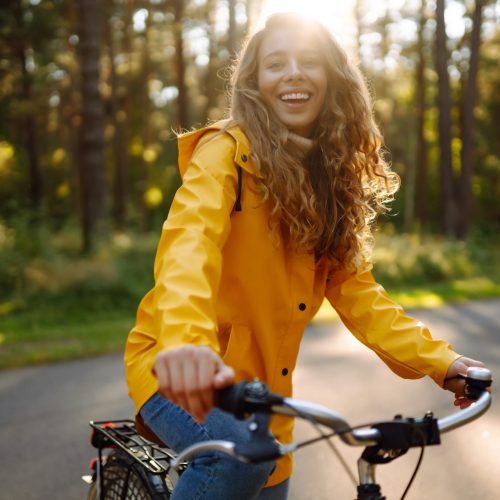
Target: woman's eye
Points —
{"points": [[275, 65], [311, 63]]}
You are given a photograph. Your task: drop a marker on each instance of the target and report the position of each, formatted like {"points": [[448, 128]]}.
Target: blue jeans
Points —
{"points": [[214, 475]]}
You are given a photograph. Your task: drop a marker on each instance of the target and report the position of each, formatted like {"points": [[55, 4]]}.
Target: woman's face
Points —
{"points": [[292, 78]]}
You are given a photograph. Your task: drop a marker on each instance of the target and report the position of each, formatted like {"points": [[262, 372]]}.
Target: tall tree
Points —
{"points": [[213, 59], [469, 99], [232, 34], [145, 114], [69, 109], [28, 125], [91, 165], [448, 209], [253, 9], [180, 65], [358, 21], [120, 157], [422, 181]]}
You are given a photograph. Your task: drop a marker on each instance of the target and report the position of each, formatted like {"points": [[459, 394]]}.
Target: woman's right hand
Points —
{"points": [[189, 375]]}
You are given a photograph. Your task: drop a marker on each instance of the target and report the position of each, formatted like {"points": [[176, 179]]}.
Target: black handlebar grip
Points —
{"points": [[232, 399], [247, 397]]}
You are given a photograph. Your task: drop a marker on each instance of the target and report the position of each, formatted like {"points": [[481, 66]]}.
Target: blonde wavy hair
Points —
{"points": [[325, 202]]}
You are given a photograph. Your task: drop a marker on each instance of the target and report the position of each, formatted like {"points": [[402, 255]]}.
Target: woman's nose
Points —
{"points": [[294, 70]]}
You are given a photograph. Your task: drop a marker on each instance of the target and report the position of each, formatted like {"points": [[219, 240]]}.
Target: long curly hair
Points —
{"points": [[325, 202]]}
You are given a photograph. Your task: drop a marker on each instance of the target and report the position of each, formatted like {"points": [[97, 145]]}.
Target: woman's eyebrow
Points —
{"points": [[277, 53], [274, 53]]}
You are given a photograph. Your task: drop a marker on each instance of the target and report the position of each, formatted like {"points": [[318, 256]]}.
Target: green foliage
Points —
{"points": [[64, 305], [408, 260]]}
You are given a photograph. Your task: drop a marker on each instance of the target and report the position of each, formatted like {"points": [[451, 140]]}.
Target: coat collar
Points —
{"points": [[187, 144]]}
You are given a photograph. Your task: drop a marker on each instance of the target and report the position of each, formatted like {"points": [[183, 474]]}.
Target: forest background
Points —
{"points": [[92, 92]]}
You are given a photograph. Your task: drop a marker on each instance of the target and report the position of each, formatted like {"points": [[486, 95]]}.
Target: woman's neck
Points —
{"points": [[304, 143]]}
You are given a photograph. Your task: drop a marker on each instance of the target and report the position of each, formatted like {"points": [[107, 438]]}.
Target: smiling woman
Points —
{"points": [[273, 215]]}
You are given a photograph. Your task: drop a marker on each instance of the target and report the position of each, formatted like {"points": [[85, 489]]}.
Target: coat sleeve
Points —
{"points": [[403, 343], [188, 262]]}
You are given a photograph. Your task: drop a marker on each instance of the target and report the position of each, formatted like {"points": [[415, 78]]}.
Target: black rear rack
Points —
{"points": [[123, 434]]}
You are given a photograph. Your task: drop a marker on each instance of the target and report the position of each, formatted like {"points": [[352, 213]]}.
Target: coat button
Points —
{"points": [[284, 372], [302, 306], [244, 157]]}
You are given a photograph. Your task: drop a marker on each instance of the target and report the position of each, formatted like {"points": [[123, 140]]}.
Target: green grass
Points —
{"points": [[58, 305], [30, 339]]}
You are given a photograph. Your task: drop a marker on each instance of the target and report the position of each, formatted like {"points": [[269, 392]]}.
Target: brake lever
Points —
{"points": [[262, 445]]}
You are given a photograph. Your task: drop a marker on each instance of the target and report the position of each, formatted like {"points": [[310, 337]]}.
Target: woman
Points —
{"points": [[273, 215]]}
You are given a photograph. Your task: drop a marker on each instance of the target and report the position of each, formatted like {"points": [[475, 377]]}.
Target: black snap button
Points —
{"points": [[244, 157], [284, 372], [302, 306]]}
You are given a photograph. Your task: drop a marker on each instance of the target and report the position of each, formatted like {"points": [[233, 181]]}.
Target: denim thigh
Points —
{"points": [[213, 475]]}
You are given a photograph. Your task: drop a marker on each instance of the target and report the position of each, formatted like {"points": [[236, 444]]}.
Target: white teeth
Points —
{"points": [[298, 95]]}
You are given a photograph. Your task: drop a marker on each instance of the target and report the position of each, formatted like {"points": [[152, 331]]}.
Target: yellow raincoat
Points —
{"points": [[222, 281]]}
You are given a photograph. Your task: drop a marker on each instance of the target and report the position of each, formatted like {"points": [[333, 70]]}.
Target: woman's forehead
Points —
{"points": [[288, 40]]}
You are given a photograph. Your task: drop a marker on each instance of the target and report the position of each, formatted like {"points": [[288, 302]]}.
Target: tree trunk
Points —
{"points": [[468, 105], [232, 35], [70, 112], [182, 111], [448, 209], [358, 9], [213, 60], [253, 9], [128, 103], [119, 146], [28, 118], [145, 113], [422, 181], [31, 144], [91, 165]]}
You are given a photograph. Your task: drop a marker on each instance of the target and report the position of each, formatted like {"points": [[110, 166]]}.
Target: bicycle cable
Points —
{"points": [[417, 467], [326, 437]]}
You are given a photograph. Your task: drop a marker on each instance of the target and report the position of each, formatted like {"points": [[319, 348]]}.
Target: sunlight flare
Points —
{"points": [[338, 17]]}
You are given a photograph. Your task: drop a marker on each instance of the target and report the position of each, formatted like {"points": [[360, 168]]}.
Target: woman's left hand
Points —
{"points": [[456, 385]]}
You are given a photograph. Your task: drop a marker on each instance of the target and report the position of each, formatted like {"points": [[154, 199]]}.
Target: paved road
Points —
{"points": [[44, 413]]}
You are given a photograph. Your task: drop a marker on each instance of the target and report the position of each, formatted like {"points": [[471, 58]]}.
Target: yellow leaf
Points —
{"points": [[153, 197]]}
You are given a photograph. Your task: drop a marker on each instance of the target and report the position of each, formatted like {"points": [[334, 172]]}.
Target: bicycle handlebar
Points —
{"points": [[253, 397]]}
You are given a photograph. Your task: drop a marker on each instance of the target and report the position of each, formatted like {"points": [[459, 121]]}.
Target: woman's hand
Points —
{"points": [[188, 376], [455, 384]]}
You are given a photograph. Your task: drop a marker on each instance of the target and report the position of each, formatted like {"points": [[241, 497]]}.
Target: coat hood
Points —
{"points": [[188, 142]]}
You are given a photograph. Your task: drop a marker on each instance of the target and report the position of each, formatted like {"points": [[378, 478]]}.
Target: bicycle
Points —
{"points": [[136, 468]]}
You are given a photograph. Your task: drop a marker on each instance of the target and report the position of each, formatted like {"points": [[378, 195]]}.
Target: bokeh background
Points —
{"points": [[92, 93]]}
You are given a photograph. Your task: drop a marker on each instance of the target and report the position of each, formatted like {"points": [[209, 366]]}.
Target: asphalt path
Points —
{"points": [[44, 414]]}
